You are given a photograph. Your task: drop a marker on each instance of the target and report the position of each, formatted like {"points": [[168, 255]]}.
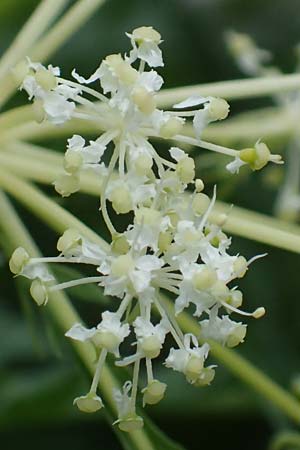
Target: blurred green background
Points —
{"points": [[39, 376]]}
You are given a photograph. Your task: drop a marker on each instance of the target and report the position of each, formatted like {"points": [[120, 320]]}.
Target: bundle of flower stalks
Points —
{"points": [[173, 242]]}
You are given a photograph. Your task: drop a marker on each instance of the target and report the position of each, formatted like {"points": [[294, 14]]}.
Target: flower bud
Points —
{"points": [[235, 298], [120, 244], [66, 184], [185, 169], [46, 79], [193, 368], [39, 292], [88, 403], [171, 128], [220, 290], [122, 265], [69, 239], [142, 34], [121, 199], [256, 157], [131, 422], [199, 185], [218, 108], [200, 203], [126, 73], [147, 216], [107, 340], [18, 260], [206, 377], [164, 240], [236, 336], [154, 392], [38, 110], [72, 161], [151, 346], [205, 279], [144, 100], [143, 164], [240, 266]]}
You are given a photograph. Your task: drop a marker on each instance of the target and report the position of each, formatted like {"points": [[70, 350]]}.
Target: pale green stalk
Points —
{"points": [[65, 316], [70, 22], [240, 222], [40, 19], [59, 219], [231, 90], [286, 440]]}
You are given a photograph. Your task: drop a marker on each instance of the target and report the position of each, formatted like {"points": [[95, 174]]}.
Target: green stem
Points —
{"points": [[65, 316], [59, 219], [233, 89], [240, 222], [289, 440], [41, 18]]}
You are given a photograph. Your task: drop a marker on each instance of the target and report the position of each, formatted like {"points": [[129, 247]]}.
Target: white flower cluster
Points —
{"points": [[175, 242]]}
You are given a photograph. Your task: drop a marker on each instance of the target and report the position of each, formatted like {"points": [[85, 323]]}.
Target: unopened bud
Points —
{"points": [[204, 279], [236, 336], [240, 266], [200, 203], [66, 184], [142, 34], [144, 100], [20, 71], [154, 392], [122, 265], [218, 108], [151, 346], [185, 169], [18, 260], [46, 79], [69, 239], [72, 161], [131, 422], [171, 128], [121, 199], [39, 292], [89, 403]]}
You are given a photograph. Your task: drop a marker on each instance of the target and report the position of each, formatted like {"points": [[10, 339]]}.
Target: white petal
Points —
{"points": [[80, 333], [193, 100]]}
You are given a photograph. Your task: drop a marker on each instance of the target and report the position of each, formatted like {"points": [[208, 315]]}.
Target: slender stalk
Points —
{"points": [[65, 316], [286, 440], [233, 89], [40, 19], [240, 222]]}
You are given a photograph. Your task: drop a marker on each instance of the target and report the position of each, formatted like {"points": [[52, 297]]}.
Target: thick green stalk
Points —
{"points": [[59, 219], [286, 440], [65, 316], [241, 222], [231, 90], [41, 18]]}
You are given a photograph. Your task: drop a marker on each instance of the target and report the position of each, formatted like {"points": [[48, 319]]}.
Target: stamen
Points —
{"points": [[149, 370], [135, 380], [72, 283], [98, 370], [206, 145], [86, 89], [259, 312]]}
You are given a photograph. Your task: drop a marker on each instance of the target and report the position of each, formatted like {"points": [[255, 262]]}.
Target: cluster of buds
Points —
{"points": [[174, 244]]}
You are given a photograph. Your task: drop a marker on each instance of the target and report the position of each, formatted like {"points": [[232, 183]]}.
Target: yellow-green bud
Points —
{"points": [[171, 128], [154, 392], [69, 239], [147, 216], [193, 368], [121, 199], [185, 169], [66, 184], [120, 244], [39, 292], [46, 79], [106, 339], [164, 240], [18, 260], [89, 403], [219, 289], [72, 161], [143, 164], [240, 266], [218, 108], [199, 185], [151, 346], [206, 377], [200, 203], [144, 100], [146, 34], [204, 279], [256, 157], [237, 336], [235, 298], [131, 422], [122, 265]]}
